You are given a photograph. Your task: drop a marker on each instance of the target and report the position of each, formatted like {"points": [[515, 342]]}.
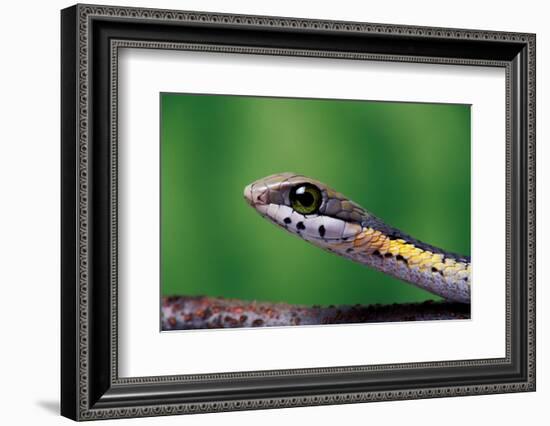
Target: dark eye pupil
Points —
{"points": [[306, 199]]}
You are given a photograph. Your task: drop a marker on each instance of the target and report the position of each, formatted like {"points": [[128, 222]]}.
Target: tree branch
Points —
{"points": [[202, 312]]}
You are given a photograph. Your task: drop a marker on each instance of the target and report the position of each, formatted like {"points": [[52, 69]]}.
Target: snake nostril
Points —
{"points": [[262, 198]]}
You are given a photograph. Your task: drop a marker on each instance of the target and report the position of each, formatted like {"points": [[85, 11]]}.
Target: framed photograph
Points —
{"points": [[263, 212]]}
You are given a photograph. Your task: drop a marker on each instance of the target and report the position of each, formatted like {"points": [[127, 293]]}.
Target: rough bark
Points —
{"points": [[201, 312]]}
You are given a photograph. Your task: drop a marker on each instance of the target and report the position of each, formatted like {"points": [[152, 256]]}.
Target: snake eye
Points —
{"points": [[305, 198]]}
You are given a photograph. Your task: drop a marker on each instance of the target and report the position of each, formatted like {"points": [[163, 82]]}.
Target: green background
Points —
{"points": [[408, 163]]}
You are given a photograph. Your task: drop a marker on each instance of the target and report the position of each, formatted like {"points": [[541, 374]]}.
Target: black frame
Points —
{"points": [[91, 388]]}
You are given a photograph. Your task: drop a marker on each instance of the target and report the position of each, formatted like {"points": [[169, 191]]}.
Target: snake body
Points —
{"points": [[311, 210]]}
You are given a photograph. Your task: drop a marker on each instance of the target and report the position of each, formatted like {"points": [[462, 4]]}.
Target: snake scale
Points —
{"points": [[311, 210]]}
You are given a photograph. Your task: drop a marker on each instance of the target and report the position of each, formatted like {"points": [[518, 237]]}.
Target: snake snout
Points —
{"points": [[248, 194], [256, 195]]}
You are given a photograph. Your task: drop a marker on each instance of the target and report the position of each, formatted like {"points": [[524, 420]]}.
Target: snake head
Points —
{"points": [[305, 207]]}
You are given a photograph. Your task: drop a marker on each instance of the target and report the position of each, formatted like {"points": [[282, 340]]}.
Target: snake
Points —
{"points": [[329, 220]]}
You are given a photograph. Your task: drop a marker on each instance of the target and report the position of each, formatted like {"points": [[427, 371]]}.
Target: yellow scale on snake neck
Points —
{"points": [[311, 210]]}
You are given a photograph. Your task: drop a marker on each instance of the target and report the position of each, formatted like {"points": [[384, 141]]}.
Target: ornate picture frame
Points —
{"points": [[91, 39]]}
